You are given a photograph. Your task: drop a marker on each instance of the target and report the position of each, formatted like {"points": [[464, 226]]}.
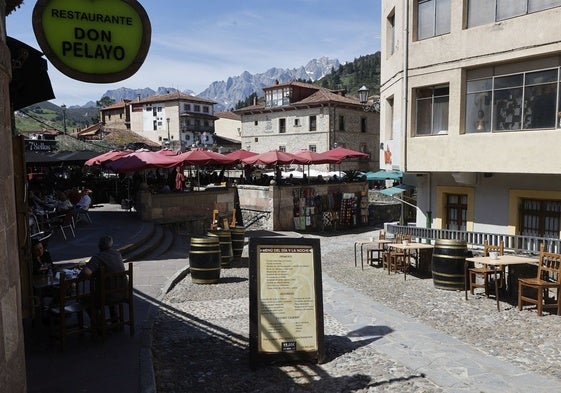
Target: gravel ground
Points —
{"points": [[200, 341]]}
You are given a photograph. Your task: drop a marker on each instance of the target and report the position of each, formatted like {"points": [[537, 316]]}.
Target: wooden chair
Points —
{"points": [[66, 314], [547, 279], [375, 253], [486, 272], [116, 291], [395, 260]]}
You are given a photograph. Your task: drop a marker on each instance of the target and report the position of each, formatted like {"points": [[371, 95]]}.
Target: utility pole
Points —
{"points": [[63, 107]]}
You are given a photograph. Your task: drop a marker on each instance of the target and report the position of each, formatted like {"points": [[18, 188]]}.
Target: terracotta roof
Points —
{"points": [[228, 115], [42, 132], [122, 137], [320, 96], [293, 83], [173, 97], [117, 105], [90, 130]]}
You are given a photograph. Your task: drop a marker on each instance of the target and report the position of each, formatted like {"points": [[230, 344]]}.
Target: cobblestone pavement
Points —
{"points": [[200, 337]]}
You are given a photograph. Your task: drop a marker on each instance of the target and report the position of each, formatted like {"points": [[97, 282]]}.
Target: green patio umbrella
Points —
{"points": [[383, 175]]}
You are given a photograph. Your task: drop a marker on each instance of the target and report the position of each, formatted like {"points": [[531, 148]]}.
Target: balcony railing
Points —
{"points": [[514, 243], [197, 129]]}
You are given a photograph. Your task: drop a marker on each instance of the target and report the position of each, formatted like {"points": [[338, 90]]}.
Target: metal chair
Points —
{"points": [[67, 222]]}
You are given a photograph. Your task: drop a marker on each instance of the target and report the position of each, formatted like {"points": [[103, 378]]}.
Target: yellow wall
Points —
{"points": [[514, 201], [441, 193]]}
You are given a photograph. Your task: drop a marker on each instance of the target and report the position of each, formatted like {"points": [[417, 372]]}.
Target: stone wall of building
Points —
{"points": [[272, 208], [12, 356], [193, 210]]}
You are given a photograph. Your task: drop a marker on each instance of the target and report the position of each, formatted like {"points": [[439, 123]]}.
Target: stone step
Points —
{"points": [[166, 243], [146, 232], [145, 247]]}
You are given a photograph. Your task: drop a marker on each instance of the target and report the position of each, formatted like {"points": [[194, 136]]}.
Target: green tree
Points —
{"points": [[104, 102]]}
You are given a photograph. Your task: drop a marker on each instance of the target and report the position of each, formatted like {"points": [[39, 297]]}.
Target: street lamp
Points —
{"points": [[63, 107], [363, 98], [363, 94]]}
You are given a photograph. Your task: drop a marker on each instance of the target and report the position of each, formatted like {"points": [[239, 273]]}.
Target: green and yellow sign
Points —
{"points": [[98, 41]]}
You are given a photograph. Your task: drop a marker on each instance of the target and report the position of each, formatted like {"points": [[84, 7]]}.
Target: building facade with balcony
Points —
{"points": [[296, 115], [470, 106], [177, 120]]}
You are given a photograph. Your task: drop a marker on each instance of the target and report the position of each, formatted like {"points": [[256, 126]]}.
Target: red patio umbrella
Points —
{"points": [[203, 157], [140, 160], [168, 152], [109, 156], [240, 154], [342, 153], [274, 157], [314, 158]]}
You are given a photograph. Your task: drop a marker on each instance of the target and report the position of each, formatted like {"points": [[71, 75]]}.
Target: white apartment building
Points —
{"points": [[175, 119], [470, 106], [298, 115]]}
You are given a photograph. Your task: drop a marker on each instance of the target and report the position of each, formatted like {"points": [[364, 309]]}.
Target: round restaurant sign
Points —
{"points": [[98, 41]]}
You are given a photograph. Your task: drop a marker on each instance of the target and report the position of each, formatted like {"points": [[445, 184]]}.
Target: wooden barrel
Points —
{"points": [[225, 240], [238, 239], [204, 260], [448, 264]]}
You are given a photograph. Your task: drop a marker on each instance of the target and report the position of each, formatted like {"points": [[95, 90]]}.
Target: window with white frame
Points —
{"points": [[296, 122], [282, 148], [526, 100], [312, 148], [481, 12], [433, 18], [432, 104]]}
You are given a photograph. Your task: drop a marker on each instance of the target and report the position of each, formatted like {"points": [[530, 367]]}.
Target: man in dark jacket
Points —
{"points": [[112, 261]]}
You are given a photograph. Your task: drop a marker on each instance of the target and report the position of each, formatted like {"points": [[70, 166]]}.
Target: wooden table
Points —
{"points": [[407, 248], [363, 243], [503, 260]]}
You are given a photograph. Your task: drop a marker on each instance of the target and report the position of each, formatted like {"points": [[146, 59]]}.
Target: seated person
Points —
{"points": [[63, 205], [112, 261], [85, 201], [40, 258]]}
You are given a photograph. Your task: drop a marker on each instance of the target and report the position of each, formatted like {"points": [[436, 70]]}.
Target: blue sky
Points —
{"points": [[195, 43]]}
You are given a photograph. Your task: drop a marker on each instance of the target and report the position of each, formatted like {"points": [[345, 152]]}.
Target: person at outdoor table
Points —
{"points": [[63, 205], [73, 195], [40, 258], [112, 261], [85, 201]]}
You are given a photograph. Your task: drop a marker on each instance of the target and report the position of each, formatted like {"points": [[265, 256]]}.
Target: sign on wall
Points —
{"points": [[97, 41], [286, 303]]}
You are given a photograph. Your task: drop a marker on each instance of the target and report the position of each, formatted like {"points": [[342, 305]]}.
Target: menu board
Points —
{"points": [[286, 306]]}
